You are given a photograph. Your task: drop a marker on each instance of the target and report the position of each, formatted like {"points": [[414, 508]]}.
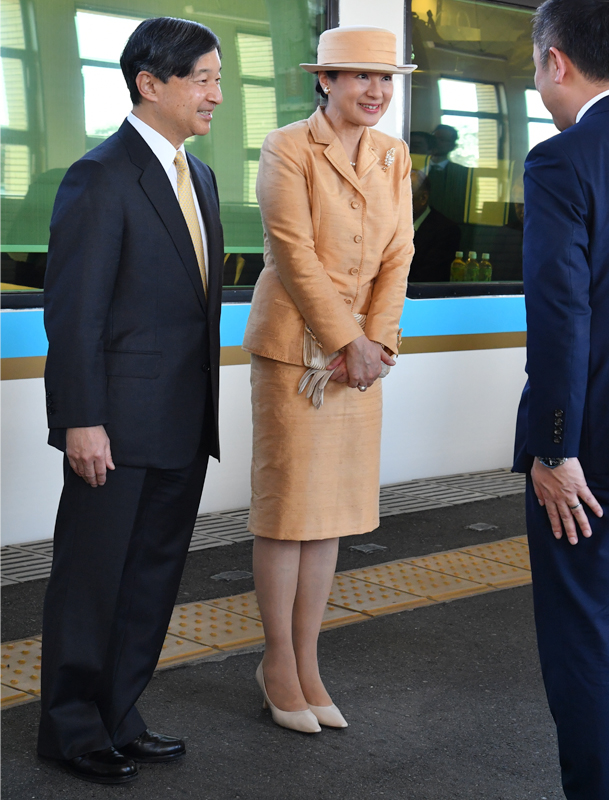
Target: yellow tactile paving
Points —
{"points": [[213, 626], [480, 570], [508, 551], [201, 629], [247, 605], [370, 598], [21, 665], [13, 697], [177, 649], [405, 577]]}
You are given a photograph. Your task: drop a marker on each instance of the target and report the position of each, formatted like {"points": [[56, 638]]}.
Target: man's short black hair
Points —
{"points": [[578, 29], [165, 46]]}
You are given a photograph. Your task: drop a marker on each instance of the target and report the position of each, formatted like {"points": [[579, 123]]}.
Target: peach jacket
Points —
{"points": [[337, 240]]}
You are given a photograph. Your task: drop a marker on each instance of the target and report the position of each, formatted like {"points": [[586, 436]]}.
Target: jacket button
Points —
{"points": [[354, 204], [205, 367], [357, 238], [557, 439], [354, 271], [348, 301], [558, 412]]}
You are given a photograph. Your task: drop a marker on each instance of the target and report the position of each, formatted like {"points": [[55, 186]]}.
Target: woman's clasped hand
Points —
{"points": [[360, 364]]}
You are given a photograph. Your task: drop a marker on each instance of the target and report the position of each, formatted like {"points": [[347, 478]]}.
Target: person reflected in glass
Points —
{"points": [[448, 180], [436, 238], [336, 205]]}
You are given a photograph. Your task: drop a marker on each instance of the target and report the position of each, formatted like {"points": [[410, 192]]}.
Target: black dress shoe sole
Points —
{"points": [[100, 779], [157, 759]]}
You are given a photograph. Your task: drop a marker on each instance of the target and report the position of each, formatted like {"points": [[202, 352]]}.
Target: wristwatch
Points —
{"points": [[552, 463]]}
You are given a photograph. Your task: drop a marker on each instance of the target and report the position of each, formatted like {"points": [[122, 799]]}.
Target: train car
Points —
{"points": [[471, 113]]}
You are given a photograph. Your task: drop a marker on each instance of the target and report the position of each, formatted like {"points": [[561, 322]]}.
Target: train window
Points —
{"points": [[101, 38], [473, 119], [540, 123], [62, 93]]}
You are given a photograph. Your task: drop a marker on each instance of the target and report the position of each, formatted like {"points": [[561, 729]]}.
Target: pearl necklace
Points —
{"points": [[353, 163]]}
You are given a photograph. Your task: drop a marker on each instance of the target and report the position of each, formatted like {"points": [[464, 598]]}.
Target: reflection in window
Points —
{"points": [[15, 153], [257, 71], [101, 39], [472, 122], [15, 170], [540, 125]]}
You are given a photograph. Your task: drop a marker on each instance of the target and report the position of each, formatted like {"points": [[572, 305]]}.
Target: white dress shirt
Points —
{"points": [[166, 153], [590, 103]]}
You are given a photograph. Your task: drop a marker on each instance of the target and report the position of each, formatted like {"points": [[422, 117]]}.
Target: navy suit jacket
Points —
{"points": [[134, 344], [564, 411]]}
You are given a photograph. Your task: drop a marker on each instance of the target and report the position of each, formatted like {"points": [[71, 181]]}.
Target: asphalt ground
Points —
{"points": [[444, 702]]}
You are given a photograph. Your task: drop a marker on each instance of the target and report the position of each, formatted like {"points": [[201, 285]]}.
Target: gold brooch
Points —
{"points": [[389, 158]]}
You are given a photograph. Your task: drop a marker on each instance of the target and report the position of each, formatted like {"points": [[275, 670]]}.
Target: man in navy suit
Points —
{"points": [[132, 311], [563, 422]]}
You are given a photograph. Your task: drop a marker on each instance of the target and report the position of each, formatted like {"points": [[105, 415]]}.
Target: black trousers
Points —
{"points": [[571, 596], [119, 554]]}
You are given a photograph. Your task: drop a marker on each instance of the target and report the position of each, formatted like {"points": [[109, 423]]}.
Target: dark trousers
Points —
{"points": [[571, 596], [119, 554]]}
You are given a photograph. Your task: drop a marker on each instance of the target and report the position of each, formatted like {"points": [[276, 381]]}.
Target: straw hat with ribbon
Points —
{"points": [[358, 48]]}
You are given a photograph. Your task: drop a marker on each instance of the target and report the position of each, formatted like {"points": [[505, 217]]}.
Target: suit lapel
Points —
{"points": [[156, 185]]}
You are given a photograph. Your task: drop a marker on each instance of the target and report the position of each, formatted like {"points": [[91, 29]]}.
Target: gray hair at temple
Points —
{"points": [[578, 29]]}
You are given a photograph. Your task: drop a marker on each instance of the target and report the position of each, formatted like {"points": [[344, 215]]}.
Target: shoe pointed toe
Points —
{"points": [[329, 716]]}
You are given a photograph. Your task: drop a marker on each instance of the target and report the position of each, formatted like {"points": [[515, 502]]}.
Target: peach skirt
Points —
{"points": [[315, 473]]}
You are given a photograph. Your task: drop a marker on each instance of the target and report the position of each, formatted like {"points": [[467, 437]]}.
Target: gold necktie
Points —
{"points": [[187, 204]]}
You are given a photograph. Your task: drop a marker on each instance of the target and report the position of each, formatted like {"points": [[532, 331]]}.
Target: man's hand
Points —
{"points": [[88, 451], [560, 491]]}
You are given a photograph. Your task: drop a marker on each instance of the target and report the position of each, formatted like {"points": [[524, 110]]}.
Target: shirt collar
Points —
{"points": [[590, 103], [160, 146], [420, 220]]}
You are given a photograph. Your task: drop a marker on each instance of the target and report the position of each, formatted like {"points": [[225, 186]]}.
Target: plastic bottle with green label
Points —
{"points": [[472, 268], [486, 268], [457, 268]]}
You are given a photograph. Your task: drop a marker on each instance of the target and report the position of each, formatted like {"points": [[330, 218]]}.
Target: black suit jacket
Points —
{"points": [[435, 244], [134, 345], [564, 410]]}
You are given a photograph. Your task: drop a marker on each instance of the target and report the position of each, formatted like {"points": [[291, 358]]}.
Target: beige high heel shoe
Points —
{"points": [[304, 721], [329, 716]]}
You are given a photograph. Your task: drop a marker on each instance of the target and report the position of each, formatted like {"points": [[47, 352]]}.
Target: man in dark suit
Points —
{"points": [[449, 182], [436, 238], [563, 424], [132, 310]]}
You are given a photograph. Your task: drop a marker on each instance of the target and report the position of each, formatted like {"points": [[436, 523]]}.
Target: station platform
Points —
{"points": [[428, 648]]}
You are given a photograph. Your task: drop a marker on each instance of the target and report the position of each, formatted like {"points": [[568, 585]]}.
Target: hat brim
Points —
{"points": [[387, 69]]}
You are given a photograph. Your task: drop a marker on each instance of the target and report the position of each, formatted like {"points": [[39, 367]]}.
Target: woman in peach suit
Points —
{"points": [[335, 199]]}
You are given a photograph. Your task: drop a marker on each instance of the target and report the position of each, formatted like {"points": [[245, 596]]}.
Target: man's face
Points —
{"points": [[443, 142], [186, 105], [549, 89], [420, 200]]}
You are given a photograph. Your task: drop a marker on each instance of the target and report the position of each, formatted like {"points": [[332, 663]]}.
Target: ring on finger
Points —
{"points": [[574, 508], [362, 388]]}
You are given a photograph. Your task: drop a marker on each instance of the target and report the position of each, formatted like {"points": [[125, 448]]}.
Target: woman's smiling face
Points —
{"points": [[359, 98]]}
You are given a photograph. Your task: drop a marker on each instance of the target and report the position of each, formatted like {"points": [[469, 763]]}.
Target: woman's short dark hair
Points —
{"points": [[332, 75], [580, 30], [165, 46]]}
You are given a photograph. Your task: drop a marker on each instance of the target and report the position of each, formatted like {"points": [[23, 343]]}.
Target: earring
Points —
{"points": [[326, 89]]}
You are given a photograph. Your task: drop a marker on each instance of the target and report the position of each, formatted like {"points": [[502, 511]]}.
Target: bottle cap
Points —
{"points": [[473, 254], [486, 256], [459, 254]]}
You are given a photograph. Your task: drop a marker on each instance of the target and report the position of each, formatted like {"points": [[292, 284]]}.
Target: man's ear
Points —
{"points": [[560, 63], [146, 84]]}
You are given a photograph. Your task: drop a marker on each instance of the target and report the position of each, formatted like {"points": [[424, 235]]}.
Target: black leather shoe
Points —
{"points": [[103, 766], [153, 748]]}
